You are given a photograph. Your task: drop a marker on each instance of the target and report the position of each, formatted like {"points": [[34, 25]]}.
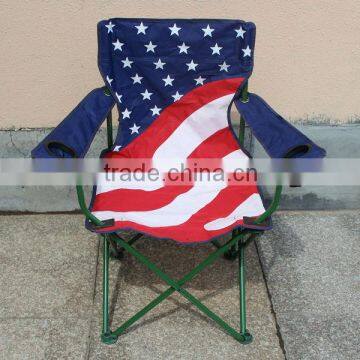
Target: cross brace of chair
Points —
{"points": [[110, 337]]}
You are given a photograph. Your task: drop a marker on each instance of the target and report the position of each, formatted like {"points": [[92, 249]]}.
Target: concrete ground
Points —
{"points": [[312, 266], [303, 292]]}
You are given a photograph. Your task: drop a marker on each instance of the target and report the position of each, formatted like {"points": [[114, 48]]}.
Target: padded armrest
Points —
{"points": [[73, 136], [278, 137]]}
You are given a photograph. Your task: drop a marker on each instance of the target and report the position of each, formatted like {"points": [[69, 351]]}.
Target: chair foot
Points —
{"points": [[246, 338], [116, 254], [108, 338], [230, 255]]}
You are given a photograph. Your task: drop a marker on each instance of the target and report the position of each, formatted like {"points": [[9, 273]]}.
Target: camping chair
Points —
{"points": [[174, 83]]}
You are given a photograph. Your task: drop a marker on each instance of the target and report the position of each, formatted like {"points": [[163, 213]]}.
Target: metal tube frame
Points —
{"points": [[236, 246], [109, 130], [109, 337]]}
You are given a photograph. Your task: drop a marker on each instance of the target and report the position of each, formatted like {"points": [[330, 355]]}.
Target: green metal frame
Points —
{"points": [[114, 246]]}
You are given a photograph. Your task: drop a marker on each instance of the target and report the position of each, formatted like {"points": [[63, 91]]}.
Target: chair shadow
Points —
{"points": [[176, 260]]}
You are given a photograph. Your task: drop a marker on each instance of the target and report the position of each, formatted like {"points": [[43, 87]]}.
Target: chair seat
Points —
{"points": [[187, 206]]}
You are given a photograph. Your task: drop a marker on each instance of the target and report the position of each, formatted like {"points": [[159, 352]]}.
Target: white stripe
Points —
{"points": [[235, 160], [200, 125], [175, 213], [252, 206]]}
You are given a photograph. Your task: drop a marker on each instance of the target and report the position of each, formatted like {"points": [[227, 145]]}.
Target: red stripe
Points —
{"points": [[217, 145], [209, 154], [137, 200]]}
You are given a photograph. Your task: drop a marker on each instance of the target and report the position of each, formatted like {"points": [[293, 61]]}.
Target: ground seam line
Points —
{"points": [[278, 331], [88, 347]]}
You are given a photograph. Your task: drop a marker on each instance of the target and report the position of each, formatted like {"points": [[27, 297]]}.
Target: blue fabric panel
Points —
{"points": [[278, 137], [119, 64], [73, 136]]}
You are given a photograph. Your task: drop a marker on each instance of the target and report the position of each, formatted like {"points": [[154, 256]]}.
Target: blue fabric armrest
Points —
{"points": [[73, 136], [278, 137]]}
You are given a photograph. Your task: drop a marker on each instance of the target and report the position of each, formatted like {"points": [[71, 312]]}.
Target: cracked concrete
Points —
{"points": [[22, 153]]}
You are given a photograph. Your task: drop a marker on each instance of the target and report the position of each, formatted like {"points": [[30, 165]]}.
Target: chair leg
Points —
{"points": [[115, 252], [106, 337], [109, 337], [247, 337], [232, 253]]}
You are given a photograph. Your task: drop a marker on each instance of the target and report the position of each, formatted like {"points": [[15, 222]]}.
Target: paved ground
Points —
{"points": [[312, 267], [50, 293]]}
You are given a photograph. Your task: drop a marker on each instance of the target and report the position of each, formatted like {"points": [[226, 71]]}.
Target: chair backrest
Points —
{"points": [[163, 70]]}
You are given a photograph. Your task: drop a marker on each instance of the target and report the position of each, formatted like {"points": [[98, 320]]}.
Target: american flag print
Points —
{"points": [[174, 82]]}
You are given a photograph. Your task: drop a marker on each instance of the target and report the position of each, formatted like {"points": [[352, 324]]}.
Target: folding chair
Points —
{"points": [[174, 83]]}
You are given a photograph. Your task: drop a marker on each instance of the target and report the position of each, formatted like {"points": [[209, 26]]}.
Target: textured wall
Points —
{"points": [[307, 53]]}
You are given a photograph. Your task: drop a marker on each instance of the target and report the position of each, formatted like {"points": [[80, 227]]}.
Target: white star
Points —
{"points": [[136, 79], [109, 80], [127, 63], [176, 96], [118, 45], [141, 28], [159, 64], [168, 81], [191, 65], [224, 67], [110, 26], [117, 148], [155, 110], [146, 95], [134, 129], [174, 30], [150, 47], [247, 51], [118, 97], [183, 48], [200, 80], [126, 113], [240, 32], [215, 49], [207, 31]]}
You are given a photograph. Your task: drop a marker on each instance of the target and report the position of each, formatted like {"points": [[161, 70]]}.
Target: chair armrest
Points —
{"points": [[81, 199], [73, 136], [279, 138], [272, 207]]}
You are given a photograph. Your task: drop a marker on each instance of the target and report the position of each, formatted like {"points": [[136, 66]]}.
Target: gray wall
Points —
{"points": [[339, 141]]}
